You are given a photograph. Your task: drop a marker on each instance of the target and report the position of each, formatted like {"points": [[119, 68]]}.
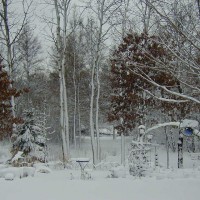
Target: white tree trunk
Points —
{"points": [[66, 115], [61, 47], [9, 53], [97, 115], [10, 31], [94, 154], [103, 14], [97, 65], [65, 15], [122, 149], [79, 115], [75, 101], [62, 121]]}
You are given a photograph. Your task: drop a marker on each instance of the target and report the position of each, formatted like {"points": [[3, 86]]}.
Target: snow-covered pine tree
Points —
{"points": [[30, 141]]}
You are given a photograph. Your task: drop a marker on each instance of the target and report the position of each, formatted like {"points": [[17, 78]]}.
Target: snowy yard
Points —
{"points": [[100, 100], [59, 184]]}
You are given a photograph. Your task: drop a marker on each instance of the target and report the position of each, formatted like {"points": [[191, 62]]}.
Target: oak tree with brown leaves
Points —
{"points": [[6, 92], [134, 63]]}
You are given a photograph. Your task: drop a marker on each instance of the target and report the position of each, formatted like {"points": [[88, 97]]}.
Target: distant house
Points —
{"points": [[105, 131]]}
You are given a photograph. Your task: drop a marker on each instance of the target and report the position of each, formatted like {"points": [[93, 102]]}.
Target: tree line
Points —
{"points": [[111, 62]]}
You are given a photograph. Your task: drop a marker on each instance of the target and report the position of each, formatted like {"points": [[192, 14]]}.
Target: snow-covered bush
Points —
{"points": [[107, 165], [18, 172], [138, 158], [42, 168], [9, 176], [55, 165], [118, 172]]}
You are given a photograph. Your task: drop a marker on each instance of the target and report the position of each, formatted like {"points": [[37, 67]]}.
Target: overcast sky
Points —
{"points": [[42, 13]]}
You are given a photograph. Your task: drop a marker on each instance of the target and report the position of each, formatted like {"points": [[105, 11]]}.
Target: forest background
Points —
{"points": [[83, 66]]}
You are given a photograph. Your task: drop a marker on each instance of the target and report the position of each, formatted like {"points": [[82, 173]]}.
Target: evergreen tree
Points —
{"points": [[30, 139]]}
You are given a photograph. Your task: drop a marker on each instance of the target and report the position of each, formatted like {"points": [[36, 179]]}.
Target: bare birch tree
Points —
{"points": [[10, 29], [103, 11], [29, 52], [76, 52], [62, 9]]}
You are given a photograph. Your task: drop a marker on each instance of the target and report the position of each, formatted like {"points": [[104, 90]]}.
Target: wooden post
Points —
{"points": [[180, 150]]}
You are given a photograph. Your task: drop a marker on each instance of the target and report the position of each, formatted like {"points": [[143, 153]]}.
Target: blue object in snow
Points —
{"points": [[188, 131]]}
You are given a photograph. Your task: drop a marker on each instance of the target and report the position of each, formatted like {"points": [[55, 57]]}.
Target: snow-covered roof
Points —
{"points": [[80, 159], [105, 131]]}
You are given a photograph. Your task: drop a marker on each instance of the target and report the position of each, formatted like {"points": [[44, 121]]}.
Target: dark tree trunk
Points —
{"points": [[198, 3], [180, 150]]}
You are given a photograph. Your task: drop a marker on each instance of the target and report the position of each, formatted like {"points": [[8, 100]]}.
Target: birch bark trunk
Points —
{"points": [[61, 46], [104, 11], [97, 63], [9, 53], [75, 101], [79, 115], [97, 115], [91, 116]]}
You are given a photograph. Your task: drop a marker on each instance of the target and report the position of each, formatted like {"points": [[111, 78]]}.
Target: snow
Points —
{"points": [[105, 131], [59, 186], [9, 176], [170, 100], [17, 156], [18, 172], [117, 172], [163, 125], [80, 159], [197, 132], [159, 184], [189, 123], [141, 127], [186, 123], [43, 169]]}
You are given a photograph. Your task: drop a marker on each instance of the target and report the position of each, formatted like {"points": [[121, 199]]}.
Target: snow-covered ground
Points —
{"points": [[59, 184]]}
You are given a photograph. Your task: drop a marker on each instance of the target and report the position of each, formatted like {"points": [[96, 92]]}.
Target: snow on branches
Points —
{"points": [[138, 81], [30, 139]]}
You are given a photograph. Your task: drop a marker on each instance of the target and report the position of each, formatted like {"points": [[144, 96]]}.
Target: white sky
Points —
{"points": [[40, 13], [43, 12]]}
